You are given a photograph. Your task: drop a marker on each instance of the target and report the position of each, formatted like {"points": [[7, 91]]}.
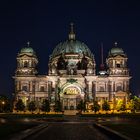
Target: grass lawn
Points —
{"points": [[121, 115], [130, 130], [12, 116], [7, 129]]}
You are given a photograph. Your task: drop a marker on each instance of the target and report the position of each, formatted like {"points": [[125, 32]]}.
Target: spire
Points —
{"points": [[102, 57], [71, 34], [71, 27]]}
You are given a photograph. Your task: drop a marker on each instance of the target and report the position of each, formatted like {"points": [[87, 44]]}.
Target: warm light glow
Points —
{"points": [[3, 102], [71, 90]]}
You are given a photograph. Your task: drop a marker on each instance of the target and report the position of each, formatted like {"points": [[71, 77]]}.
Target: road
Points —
{"points": [[69, 131]]}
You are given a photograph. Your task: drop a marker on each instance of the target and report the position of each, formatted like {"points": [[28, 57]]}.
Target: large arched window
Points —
{"points": [[119, 88]]}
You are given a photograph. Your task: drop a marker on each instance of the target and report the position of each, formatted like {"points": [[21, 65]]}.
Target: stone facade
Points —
{"points": [[72, 76]]}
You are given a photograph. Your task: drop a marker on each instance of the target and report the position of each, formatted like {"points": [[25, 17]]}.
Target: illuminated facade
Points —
{"points": [[72, 76]]}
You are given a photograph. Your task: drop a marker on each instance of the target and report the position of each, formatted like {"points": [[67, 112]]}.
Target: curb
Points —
{"points": [[112, 133], [23, 134]]}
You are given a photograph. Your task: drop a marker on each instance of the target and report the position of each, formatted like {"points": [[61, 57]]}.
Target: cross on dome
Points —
{"points": [[116, 44], [28, 44]]}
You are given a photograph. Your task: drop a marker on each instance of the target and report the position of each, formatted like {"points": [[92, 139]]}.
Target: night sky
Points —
{"points": [[46, 23]]}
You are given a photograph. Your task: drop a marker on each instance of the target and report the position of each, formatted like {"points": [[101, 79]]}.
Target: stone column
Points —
{"points": [[87, 91], [113, 63], [19, 85], [90, 91], [16, 91], [110, 91], [125, 85], [56, 90], [33, 89], [94, 90], [37, 86], [50, 89], [48, 95], [114, 87], [123, 88], [29, 86]]}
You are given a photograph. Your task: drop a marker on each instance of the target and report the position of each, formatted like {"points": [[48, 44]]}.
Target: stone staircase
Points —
{"points": [[70, 112]]}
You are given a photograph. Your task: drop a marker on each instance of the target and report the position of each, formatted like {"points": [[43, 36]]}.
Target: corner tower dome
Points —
{"points": [[26, 62], [71, 46], [116, 50], [27, 50]]}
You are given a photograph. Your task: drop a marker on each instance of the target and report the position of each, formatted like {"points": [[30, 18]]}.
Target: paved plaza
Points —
{"points": [[69, 131]]}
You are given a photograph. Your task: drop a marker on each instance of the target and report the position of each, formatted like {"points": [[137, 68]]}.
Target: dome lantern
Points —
{"points": [[71, 46], [71, 34]]}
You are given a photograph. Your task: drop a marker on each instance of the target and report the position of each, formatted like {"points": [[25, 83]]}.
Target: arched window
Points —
{"points": [[119, 88], [24, 88], [101, 89], [118, 65], [42, 89], [25, 64]]}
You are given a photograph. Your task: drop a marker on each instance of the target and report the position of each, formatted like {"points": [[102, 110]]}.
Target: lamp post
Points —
{"points": [[3, 103]]}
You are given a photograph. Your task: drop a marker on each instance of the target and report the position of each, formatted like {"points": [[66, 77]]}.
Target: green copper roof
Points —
{"points": [[71, 46], [117, 51], [27, 50]]}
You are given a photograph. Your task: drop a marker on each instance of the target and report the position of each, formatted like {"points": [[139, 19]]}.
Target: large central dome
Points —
{"points": [[71, 46]]}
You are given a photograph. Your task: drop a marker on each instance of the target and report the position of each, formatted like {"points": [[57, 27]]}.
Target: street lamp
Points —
{"points": [[3, 103]]}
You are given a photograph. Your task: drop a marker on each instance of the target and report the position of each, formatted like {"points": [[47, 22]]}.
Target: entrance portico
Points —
{"points": [[71, 96]]}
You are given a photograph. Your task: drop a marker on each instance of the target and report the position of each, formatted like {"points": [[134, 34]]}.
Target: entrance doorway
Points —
{"points": [[69, 103], [71, 97]]}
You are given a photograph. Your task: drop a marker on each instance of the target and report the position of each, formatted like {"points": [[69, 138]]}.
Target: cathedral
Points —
{"points": [[72, 76]]}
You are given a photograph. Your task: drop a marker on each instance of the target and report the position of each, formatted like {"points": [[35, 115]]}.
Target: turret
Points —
{"points": [[26, 62], [117, 62]]}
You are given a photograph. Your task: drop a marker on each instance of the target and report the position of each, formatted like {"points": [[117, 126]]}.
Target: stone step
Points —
{"points": [[70, 112]]}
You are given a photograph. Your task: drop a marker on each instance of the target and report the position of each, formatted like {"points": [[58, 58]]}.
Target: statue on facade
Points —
{"points": [[61, 64], [90, 68], [72, 69], [84, 62], [79, 66], [53, 69]]}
